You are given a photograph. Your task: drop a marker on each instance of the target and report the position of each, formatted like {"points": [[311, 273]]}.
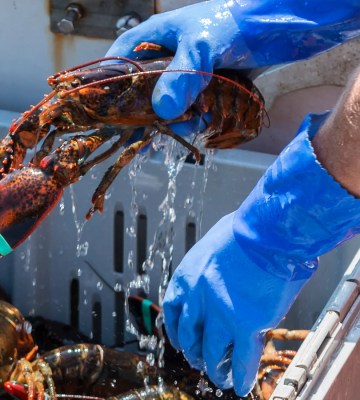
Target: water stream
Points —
{"points": [[160, 251]]}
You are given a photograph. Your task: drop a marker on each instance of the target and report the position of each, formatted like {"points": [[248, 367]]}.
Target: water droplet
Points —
{"points": [[150, 359], [62, 206], [139, 367], [131, 259], [131, 231], [79, 272], [118, 287], [189, 201], [82, 249], [100, 285], [218, 393], [148, 265]]}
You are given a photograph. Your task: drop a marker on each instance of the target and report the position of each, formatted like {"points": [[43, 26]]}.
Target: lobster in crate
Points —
{"points": [[106, 102], [92, 371]]}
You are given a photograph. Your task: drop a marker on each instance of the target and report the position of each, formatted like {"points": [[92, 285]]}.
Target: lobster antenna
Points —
{"points": [[97, 273], [24, 116], [96, 61], [76, 396]]}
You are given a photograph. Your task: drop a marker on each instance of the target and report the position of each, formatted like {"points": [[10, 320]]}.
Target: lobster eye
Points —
{"points": [[75, 83]]}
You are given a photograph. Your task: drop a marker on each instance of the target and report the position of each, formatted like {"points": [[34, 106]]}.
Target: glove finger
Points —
{"points": [[190, 332], [217, 351], [176, 91], [196, 124], [245, 363], [172, 308]]}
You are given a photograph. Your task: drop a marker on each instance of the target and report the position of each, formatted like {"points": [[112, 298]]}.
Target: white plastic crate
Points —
{"points": [[63, 276]]}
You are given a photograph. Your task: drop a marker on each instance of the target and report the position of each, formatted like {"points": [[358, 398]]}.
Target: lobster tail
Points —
{"points": [[237, 110]]}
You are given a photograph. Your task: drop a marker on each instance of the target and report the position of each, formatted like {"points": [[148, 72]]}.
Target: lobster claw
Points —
{"points": [[26, 197], [17, 390]]}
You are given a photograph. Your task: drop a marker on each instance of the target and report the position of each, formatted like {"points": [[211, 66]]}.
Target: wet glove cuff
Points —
{"points": [[278, 32], [297, 211]]}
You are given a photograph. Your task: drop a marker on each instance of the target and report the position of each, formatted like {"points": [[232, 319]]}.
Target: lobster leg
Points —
{"points": [[127, 155], [106, 154], [165, 130], [46, 372], [46, 147]]}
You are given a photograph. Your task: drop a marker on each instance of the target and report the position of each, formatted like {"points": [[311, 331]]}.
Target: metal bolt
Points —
{"points": [[127, 22], [73, 13]]}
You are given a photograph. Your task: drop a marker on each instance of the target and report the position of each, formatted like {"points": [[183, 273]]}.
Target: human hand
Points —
{"points": [[219, 305], [235, 34], [242, 277], [203, 36]]}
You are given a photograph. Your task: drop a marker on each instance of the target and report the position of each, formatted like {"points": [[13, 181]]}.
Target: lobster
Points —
{"points": [[86, 369], [97, 372], [16, 344], [111, 98], [74, 368]]}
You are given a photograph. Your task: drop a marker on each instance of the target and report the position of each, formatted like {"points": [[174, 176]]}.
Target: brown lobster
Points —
{"points": [[89, 369], [113, 100], [16, 345], [82, 369]]}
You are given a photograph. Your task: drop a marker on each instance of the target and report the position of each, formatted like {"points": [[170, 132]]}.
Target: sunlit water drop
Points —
{"points": [[150, 359], [82, 249], [62, 206], [219, 393], [79, 222], [117, 287]]}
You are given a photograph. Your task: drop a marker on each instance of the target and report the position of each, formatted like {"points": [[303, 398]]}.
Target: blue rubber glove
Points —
{"points": [[236, 34], [242, 277]]}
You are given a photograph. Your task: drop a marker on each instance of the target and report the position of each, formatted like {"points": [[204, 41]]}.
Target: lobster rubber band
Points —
{"points": [[5, 248], [145, 309]]}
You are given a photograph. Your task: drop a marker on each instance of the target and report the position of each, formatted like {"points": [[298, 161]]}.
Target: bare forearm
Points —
{"points": [[337, 144]]}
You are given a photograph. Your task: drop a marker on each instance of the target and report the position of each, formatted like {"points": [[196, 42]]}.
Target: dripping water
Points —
{"points": [[209, 163], [163, 241], [134, 169], [79, 222]]}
